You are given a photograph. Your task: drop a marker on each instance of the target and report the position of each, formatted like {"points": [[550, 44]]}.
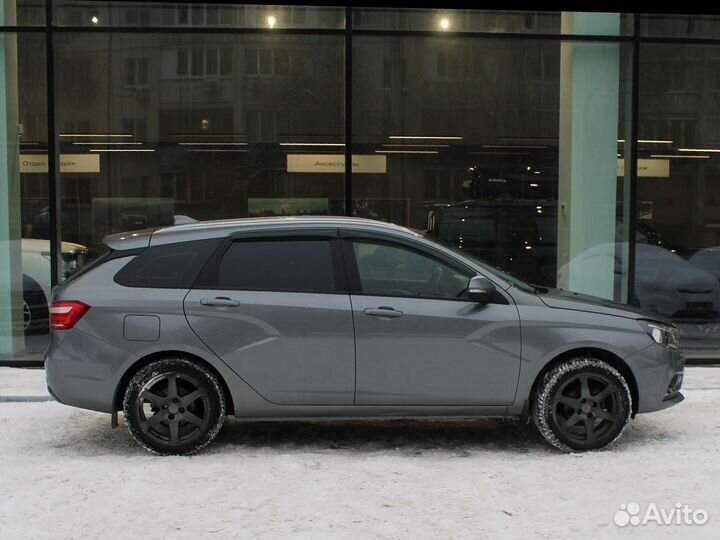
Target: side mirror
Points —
{"points": [[480, 289]]}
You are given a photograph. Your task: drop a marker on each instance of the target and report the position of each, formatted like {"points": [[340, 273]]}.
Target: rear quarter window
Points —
{"points": [[169, 266]]}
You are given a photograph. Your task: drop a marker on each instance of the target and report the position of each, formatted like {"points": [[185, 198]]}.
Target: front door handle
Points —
{"points": [[384, 311], [220, 301]]}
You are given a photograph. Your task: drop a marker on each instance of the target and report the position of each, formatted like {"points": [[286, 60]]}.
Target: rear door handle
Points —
{"points": [[384, 311], [222, 301]]}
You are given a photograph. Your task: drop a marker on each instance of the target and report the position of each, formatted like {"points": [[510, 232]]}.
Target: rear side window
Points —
{"points": [[169, 266], [278, 265]]}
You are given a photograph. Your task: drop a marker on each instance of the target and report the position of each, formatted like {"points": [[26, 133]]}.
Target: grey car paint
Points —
{"points": [[436, 352], [293, 348], [498, 352]]}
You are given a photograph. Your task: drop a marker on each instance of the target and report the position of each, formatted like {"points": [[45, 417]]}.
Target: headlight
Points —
{"points": [[661, 333]]}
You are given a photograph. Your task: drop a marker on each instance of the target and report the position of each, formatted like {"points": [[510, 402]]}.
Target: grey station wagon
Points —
{"points": [[342, 318]]}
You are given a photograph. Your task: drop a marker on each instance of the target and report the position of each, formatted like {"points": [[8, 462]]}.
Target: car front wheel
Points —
{"points": [[174, 406], [582, 404]]}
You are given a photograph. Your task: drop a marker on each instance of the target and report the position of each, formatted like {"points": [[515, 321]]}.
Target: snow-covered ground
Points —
{"points": [[65, 474]]}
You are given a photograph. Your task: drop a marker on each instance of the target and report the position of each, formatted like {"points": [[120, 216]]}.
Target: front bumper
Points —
{"points": [[659, 374]]}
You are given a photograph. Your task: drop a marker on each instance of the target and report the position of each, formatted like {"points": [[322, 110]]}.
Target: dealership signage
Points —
{"points": [[69, 163], [656, 168], [335, 163]]}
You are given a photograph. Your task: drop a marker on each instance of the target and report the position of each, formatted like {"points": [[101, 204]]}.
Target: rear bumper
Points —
{"points": [[83, 371], [54, 395]]}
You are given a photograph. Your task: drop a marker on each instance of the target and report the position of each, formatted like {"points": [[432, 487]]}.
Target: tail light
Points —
{"points": [[64, 315]]}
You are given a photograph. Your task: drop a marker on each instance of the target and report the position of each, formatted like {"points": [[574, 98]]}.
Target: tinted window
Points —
{"points": [[278, 265], [397, 271], [172, 266]]}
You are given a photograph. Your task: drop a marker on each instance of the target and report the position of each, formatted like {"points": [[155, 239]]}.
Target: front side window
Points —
{"points": [[394, 270], [278, 265]]}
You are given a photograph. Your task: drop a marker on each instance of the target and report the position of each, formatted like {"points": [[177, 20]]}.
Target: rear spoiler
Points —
{"points": [[129, 240]]}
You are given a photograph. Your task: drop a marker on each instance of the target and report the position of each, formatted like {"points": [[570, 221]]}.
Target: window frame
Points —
{"points": [[208, 277]]}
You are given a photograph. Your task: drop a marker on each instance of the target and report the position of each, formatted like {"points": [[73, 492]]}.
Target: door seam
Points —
{"points": [[352, 314]]}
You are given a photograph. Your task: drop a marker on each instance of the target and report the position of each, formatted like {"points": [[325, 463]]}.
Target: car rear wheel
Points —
{"points": [[582, 404], [174, 406]]}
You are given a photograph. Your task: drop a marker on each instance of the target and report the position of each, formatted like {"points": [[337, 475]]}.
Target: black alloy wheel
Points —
{"points": [[174, 406], [582, 404]]}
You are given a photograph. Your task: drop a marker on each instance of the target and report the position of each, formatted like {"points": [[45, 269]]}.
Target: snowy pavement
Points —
{"points": [[65, 474]]}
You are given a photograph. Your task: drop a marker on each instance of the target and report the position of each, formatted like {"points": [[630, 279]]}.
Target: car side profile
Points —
{"points": [[325, 317]]}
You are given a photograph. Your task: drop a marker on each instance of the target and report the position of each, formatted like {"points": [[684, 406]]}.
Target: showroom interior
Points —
{"points": [[572, 149]]}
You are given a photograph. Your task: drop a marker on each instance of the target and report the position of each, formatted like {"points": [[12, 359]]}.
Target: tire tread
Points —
{"points": [[165, 365], [542, 400]]}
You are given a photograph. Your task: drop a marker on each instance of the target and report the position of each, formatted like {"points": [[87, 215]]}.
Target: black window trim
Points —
{"points": [[208, 277], [347, 236]]}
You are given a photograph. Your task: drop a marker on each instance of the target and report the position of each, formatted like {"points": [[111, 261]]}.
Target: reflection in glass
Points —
{"points": [[471, 138], [165, 129], [679, 187], [108, 13]]}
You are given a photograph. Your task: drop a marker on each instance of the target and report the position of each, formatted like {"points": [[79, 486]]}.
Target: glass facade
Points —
{"points": [[573, 150]]}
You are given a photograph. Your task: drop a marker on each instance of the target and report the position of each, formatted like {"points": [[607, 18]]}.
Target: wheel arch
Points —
{"points": [[593, 352], [145, 360]]}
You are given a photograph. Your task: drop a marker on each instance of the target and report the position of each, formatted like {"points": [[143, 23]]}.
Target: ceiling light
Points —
{"points": [[417, 145], [95, 135], [215, 150], [414, 137], [698, 149], [513, 146], [672, 156], [271, 21], [123, 143], [444, 23], [94, 19], [122, 150], [500, 153], [649, 141], [213, 143], [407, 152], [310, 144]]}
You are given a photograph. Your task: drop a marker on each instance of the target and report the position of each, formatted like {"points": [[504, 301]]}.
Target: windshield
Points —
{"points": [[515, 282]]}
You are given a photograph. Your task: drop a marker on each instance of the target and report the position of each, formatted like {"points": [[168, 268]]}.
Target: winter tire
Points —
{"points": [[174, 406], [582, 404]]}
